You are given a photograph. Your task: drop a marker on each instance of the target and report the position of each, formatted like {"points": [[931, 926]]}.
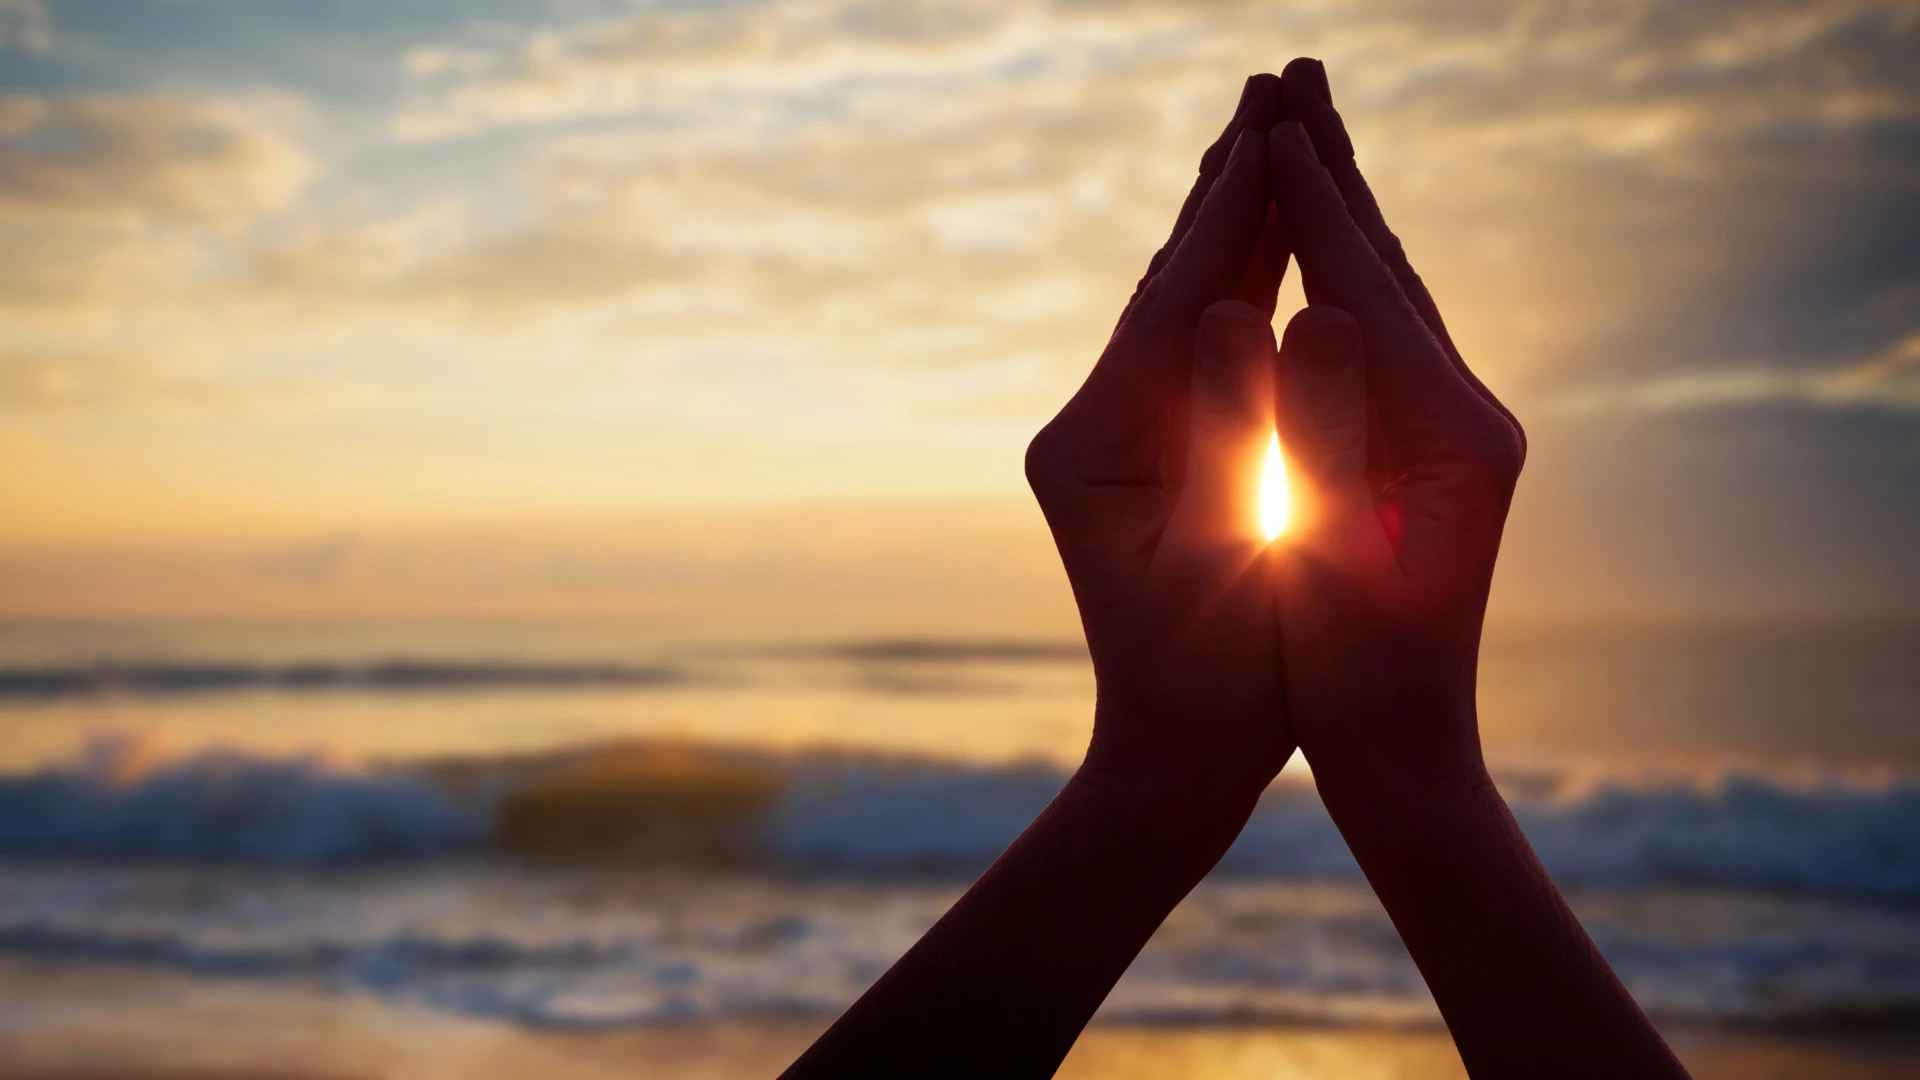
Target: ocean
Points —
{"points": [[593, 827]]}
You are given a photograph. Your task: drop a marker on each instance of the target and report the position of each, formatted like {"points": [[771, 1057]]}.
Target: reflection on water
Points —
{"points": [[585, 947]]}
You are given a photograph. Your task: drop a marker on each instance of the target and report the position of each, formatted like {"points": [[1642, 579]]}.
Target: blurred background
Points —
{"points": [[513, 551]]}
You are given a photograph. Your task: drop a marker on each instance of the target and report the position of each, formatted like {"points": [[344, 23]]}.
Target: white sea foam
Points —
{"points": [[878, 817], [228, 805]]}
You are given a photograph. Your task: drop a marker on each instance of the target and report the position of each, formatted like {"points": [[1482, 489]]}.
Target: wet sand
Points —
{"points": [[98, 1022]]}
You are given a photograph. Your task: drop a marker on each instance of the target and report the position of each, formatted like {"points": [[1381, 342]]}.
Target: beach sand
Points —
{"points": [[102, 1022]]}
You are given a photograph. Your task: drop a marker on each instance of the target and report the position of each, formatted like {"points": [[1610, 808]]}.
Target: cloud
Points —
{"points": [[1624, 208], [141, 158], [1008, 213], [24, 24], [662, 61], [783, 246], [51, 270], [1590, 172], [104, 382], [113, 204], [1888, 381]]}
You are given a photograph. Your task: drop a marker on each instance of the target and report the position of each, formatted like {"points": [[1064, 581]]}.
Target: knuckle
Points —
{"points": [[1501, 452], [1043, 462]]}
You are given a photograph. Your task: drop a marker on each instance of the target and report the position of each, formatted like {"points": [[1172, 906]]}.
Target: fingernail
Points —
{"points": [[1262, 102], [1241, 310], [1324, 339], [1230, 331]]}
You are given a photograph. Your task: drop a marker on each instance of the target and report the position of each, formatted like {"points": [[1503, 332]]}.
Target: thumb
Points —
{"points": [[1321, 415], [1229, 422]]}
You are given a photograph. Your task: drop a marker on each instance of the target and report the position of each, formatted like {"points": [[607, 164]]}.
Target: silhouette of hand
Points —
{"points": [[1147, 478], [1403, 466]]}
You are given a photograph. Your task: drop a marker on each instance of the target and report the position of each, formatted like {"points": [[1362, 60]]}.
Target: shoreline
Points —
{"points": [[96, 1021]]}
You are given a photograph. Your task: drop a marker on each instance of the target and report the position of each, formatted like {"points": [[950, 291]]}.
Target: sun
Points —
{"points": [[1275, 504]]}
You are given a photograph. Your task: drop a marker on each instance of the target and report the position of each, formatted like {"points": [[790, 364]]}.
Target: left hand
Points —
{"points": [[1148, 478]]}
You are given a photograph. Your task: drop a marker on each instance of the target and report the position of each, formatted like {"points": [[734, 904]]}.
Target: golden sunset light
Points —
{"points": [[1276, 502], [315, 318], [677, 492]]}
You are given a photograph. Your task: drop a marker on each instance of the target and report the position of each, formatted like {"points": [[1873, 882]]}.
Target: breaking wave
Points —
{"points": [[881, 817]]}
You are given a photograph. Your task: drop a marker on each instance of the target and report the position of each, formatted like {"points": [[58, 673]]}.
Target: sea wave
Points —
{"points": [[902, 658], [875, 816], [605, 948], [395, 675]]}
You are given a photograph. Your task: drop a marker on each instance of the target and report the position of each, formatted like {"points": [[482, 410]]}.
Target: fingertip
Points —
{"points": [[1243, 171], [1238, 310], [1244, 174], [1305, 98], [1262, 102], [1289, 142], [1302, 68], [1259, 104], [1316, 316], [1302, 97], [1247, 143], [1231, 335], [1320, 404], [1322, 337], [1246, 95]]}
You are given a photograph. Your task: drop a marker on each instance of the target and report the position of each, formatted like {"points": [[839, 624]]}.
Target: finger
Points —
{"points": [[1211, 263], [1320, 407], [1229, 424], [1214, 254], [1307, 98], [1260, 282], [1320, 412], [1304, 89], [1116, 429], [1258, 110], [1416, 385]]}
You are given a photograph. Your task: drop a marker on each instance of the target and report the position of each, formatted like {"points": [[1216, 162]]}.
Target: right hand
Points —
{"points": [[1404, 465]]}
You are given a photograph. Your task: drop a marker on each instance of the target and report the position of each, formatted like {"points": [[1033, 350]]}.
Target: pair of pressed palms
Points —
{"points": [[1354, 637]]}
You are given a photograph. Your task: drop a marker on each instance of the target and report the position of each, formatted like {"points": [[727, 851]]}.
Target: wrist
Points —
{"points": [[1350, 774], [1190, 754], [1391, 743], [1202, 793], [1394, 808], [1171, 816]]}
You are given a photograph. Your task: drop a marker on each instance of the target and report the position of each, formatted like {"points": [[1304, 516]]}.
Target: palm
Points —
{"points": [[1148, 475]]}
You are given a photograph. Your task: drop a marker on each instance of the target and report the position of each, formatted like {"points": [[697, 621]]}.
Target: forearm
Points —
{"points": [[1520, 984], [1004, 982]]}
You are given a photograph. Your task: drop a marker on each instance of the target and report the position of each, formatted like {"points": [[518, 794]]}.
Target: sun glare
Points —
{"points": [[1275, 505]]}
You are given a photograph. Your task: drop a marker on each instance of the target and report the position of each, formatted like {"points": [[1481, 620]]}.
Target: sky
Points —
{"points": [[743, 312]]}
